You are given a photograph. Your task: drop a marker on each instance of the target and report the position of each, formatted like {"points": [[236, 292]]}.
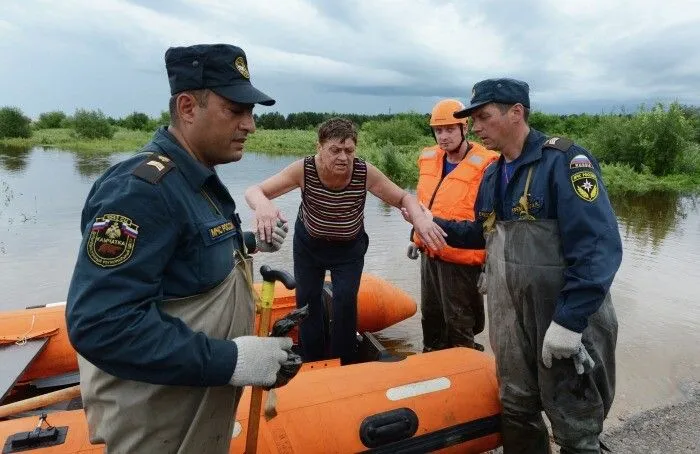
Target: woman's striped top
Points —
{"points": [[330, 214]]}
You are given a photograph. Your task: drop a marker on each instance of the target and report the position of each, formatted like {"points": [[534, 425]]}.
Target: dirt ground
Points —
{"points": [[670, 429]]}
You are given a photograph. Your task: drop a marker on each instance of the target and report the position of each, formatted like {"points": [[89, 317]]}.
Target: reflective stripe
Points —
{"points": [[237, 429], [418, 388]]}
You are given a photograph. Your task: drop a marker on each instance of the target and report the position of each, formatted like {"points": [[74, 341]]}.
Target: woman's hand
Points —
{"points": [[266, 216], [429, 232]]}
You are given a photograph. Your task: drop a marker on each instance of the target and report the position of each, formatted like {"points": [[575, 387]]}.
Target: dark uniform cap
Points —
{"points": [[222, 68], [504, 91]]}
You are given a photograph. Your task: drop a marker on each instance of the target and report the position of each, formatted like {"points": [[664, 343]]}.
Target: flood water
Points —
{"points": [[42, 192]]}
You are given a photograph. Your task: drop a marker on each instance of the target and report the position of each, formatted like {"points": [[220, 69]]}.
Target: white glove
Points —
{"points": [[412, 251], [560, 343], [259, 359], [279, 233]]}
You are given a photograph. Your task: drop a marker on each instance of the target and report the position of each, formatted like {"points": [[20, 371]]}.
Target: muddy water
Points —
{"points": [[655, 291]]}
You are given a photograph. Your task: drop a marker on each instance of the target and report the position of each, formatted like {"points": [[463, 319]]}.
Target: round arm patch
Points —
{"points": [[112, 240]]}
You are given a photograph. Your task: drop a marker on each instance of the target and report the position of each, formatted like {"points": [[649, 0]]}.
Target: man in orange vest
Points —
{"points": [[449, 176]]}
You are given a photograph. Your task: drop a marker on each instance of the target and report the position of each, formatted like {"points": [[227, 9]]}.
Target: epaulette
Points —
{"points": [[154, 168], [560, 143]]}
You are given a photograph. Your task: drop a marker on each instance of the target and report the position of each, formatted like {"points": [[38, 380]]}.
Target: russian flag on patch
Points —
{"points": [[128, 231], [580, 161], [99, 225]]}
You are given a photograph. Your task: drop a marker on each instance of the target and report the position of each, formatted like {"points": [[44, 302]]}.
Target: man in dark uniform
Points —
{"points": [[553, 248], [160, 307]]}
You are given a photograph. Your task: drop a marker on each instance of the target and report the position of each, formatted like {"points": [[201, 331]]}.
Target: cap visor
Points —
{"points": [[468, 111], [243, 94]]}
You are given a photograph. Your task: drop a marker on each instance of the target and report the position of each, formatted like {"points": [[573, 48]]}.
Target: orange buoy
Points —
{"points": [[445, 400], [380, 305]]}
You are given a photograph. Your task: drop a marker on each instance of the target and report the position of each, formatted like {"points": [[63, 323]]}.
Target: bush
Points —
{"points": [[420, 121], [692, 114], [573, 126], [689, 160], [622, 179], [90, 124], [655, 139], [136, 121], [68, 123], [548, 124], [13, 123], [152, 125], [270, 120], [164, 119], [50, 120], [397, 131], [396, 162]]}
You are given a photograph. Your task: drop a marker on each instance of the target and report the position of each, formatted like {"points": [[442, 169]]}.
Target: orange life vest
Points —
{"points": [[452, 197]]}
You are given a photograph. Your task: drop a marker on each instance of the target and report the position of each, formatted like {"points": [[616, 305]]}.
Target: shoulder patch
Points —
{"points": [[580, 161], [427, 154], [585, 185], [112, 240], [154, 168], [559, 143]]}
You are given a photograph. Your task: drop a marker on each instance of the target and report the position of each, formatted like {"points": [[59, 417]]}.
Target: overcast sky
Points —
{"points": [[367, 56]]}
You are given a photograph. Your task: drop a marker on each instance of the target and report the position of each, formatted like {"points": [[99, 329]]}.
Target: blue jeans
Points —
{"points": [[345, 260]]}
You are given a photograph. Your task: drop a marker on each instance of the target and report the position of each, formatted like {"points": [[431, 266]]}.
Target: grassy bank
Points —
{"points": [[397, 161], [63, 138], [279, 142]]}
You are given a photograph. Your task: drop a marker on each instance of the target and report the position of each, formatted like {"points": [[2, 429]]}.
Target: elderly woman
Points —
{"points": [[329, 232]]}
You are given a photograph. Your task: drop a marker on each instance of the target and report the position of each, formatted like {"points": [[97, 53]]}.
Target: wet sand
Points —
{"points": [[670, 429], [674, 428]]}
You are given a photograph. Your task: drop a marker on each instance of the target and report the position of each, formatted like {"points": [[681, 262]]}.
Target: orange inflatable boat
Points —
{"points": [[380, 305], [445, 401]]}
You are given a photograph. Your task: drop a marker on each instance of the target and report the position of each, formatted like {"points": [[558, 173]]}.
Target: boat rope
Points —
{"points": [[23, 338]]}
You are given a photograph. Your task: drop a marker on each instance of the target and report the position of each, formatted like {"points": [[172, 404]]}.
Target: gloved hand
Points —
{"points": [[412, 251], [259, 359], [560, 343], [279, 233], [289, 369]]}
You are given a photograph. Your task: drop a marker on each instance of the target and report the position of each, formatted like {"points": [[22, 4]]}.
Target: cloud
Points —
{"points": [[359, 55]]}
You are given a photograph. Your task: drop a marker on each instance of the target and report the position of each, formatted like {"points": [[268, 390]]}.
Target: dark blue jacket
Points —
{"points": [[170, 241], [566, 185]]}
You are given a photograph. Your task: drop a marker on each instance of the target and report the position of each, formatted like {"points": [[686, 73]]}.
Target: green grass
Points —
{"points": [[282, 142], [124, 140], [622, 179]]}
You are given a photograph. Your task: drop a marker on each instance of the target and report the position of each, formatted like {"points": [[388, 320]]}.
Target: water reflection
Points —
{"points": [[650, 217], [14, 159], [91, 166]]}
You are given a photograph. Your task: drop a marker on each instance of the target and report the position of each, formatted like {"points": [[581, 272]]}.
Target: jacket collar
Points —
{"points": [[532, 149], [194, 171]]}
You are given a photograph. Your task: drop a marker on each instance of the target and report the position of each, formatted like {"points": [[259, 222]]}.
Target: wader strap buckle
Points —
{"points": [[247, 262], [523, 198]]}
